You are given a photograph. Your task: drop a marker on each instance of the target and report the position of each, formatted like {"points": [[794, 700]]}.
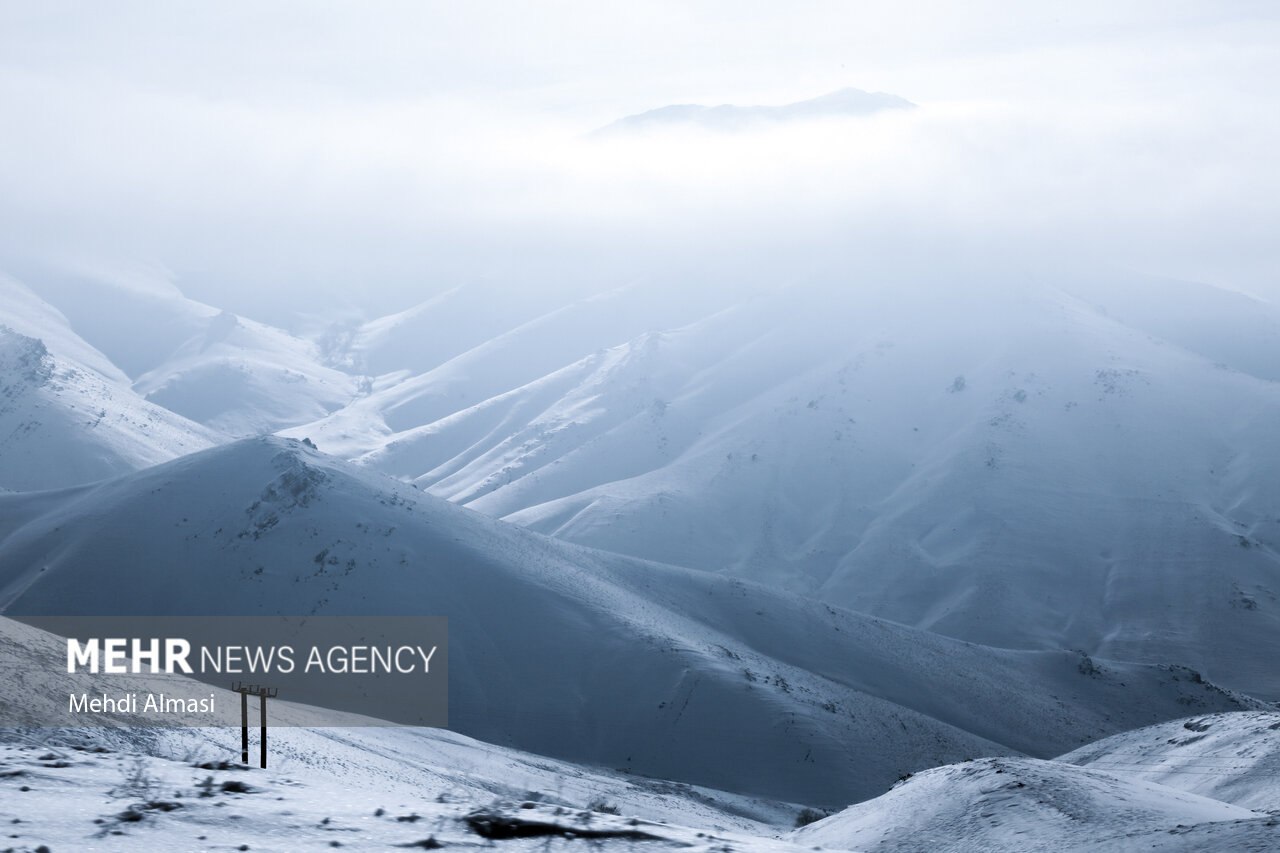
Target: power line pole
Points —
{"points": [[263, 693]]}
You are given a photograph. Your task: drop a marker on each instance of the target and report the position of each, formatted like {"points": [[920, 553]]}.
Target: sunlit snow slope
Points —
{"points": [[235, 375], [1230, 757], [67, 414]]}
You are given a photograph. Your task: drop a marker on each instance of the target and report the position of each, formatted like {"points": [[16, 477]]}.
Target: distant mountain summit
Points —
{"points": [[730, 117]]}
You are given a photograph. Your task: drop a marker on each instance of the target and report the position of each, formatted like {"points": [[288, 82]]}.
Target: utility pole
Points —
{"points": [[263, 693]]}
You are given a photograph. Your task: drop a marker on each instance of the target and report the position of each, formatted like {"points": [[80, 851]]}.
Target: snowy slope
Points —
{"points": [[233, 374], [1012, 465], [354, 784], [428, 334], [1230, 757], [124, 786], [567, 651], [386, 760], [67, 414], [357, 795], [456, 351], [1233, 330], [998, 805], [246, 378]]}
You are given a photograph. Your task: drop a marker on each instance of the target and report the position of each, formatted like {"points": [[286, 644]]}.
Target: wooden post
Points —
{"points": [[245, 690], [262, 706]]}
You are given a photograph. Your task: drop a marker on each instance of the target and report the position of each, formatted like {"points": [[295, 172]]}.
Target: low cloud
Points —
{"points": [[269, 200]]}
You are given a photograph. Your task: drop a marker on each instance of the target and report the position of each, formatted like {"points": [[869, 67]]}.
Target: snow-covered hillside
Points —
{"points": [[332, 792], [387, 788], [408, 768], [1028, 465], [1001, 805], [67, 414], [1074, 464], [1202, 783], [232, 374], [455, 352], [568, 651], [1230, 757], [1040, 467], [120, 787]]}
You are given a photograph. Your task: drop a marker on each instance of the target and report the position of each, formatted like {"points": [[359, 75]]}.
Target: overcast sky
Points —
{"points": [[259, 151]]}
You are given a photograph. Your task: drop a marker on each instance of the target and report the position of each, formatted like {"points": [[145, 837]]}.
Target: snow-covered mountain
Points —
{"points": [[1038, 465], [1203, 783], [1230, 757], [1001, 805], [842, 103], [67, 414], [232, 374], [1051, 465], [451, 353], [565, 650]]}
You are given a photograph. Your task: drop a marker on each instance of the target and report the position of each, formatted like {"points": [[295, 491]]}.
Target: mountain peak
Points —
{"points": [[842, 103]]}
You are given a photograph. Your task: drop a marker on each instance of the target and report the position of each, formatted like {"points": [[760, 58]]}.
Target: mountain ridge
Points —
{"points": [[841, 103], [565, 650], [1038, 471]]}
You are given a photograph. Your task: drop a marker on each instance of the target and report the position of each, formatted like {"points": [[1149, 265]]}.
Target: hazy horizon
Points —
{"points": [[262, 160]]}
